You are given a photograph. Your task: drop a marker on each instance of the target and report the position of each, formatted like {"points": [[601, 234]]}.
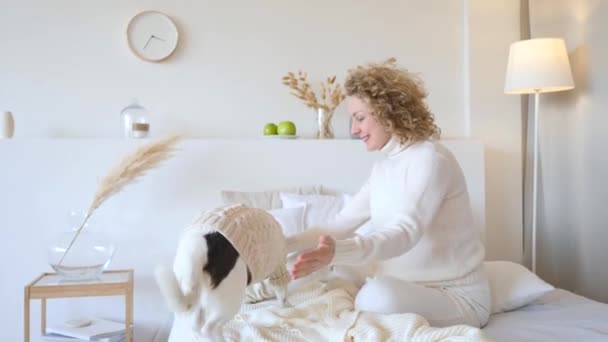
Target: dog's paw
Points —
{"points": [[284, 303]]}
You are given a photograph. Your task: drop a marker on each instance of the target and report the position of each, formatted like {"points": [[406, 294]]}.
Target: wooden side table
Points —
{"points": [[51, 285]]}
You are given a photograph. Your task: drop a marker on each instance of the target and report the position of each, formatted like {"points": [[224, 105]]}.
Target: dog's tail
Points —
{"points": [[171, 291], [182, 286]]}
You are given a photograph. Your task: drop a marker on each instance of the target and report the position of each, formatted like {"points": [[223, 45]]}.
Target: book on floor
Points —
{"points": [[98, 329], [61, 338]]}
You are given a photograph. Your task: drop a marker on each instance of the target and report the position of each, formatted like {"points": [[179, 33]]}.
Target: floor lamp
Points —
{"points": [[537, 66]]}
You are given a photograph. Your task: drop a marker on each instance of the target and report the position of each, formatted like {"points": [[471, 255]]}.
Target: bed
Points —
{"points": [[559, 315], [52, 177]]}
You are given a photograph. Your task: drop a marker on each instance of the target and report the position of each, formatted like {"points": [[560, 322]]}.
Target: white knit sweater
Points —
{"points": [[421, 216]]}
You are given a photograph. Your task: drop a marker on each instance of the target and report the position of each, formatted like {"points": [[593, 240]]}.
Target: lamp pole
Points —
{"points": [[535, 177]]}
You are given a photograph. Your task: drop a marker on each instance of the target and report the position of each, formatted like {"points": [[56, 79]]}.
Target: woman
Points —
{"points": [[428, 252]]}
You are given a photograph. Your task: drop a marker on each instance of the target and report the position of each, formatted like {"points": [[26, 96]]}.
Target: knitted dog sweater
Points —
{"points": [[256, 235]]}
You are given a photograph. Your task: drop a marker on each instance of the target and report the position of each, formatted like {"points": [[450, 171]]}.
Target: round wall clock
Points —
{"points": [[152, 36]]}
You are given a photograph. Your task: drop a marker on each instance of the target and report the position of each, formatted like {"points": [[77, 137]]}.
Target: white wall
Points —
{"points": [[496, 120], [67, 71], [572, 136]]}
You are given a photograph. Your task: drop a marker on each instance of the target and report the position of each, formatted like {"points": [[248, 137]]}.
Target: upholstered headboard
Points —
{"points": [[42, 180]]}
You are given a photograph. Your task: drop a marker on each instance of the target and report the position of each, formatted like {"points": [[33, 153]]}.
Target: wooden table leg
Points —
{"points": [[43, 316], [129, 314], [26, 315]]}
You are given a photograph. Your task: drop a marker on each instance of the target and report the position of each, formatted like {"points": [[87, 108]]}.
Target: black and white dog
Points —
{"points": [[207, 285]]}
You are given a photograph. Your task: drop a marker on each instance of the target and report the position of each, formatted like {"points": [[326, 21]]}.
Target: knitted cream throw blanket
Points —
{"points": [[325, 312]]}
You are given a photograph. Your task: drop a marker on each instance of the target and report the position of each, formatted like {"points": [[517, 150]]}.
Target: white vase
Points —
{"points": [[7, 125]]}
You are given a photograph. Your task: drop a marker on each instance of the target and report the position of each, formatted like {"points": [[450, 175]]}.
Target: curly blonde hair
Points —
{"points": [[396, 98]]}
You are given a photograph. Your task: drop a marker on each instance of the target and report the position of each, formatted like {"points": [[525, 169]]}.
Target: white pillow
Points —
{"points": [[319, 208], [513, 286], [290, 219], [269, 199]]}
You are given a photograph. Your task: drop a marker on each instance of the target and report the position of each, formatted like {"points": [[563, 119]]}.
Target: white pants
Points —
{"points": [[460, 301]]}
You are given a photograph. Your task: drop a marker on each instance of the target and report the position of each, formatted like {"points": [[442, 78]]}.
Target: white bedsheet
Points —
{"points": [[557, 316], [325, 312]]}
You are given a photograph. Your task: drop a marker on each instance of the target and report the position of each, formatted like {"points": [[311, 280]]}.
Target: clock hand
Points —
{"points": [[148, 42], [159, 38]]}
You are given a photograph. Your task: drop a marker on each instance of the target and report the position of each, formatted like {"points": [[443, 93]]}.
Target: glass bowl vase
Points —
{"points": [[90, 254]]}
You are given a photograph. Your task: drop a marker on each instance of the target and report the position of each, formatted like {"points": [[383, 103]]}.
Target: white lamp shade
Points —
{"points": [[538, 65]]}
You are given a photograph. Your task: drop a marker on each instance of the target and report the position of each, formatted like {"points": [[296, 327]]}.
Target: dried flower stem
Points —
{"points": [[133, 166], [331, 92]]}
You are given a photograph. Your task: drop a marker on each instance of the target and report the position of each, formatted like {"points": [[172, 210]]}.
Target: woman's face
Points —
{"points": [[365, 125]]}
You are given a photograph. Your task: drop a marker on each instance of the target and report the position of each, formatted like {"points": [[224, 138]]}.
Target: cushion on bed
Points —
{"points": [[290, 219], [513, 286], [319, 208], [269, 199], [322, 208]]}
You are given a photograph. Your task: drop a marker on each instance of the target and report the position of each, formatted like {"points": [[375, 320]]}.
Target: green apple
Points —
{"points": [[287, 128], [270, 129]]}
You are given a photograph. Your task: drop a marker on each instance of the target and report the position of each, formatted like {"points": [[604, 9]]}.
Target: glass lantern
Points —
{"points": [[134, 119]]}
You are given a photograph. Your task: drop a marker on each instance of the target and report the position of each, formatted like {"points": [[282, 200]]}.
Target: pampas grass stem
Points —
{"points": [[132, 166]]}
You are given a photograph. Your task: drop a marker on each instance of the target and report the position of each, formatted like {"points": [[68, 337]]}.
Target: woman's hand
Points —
{"points": [[312, 261]]}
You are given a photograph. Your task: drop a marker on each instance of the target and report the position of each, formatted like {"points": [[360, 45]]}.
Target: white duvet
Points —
{"points": [[325, 312]]}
